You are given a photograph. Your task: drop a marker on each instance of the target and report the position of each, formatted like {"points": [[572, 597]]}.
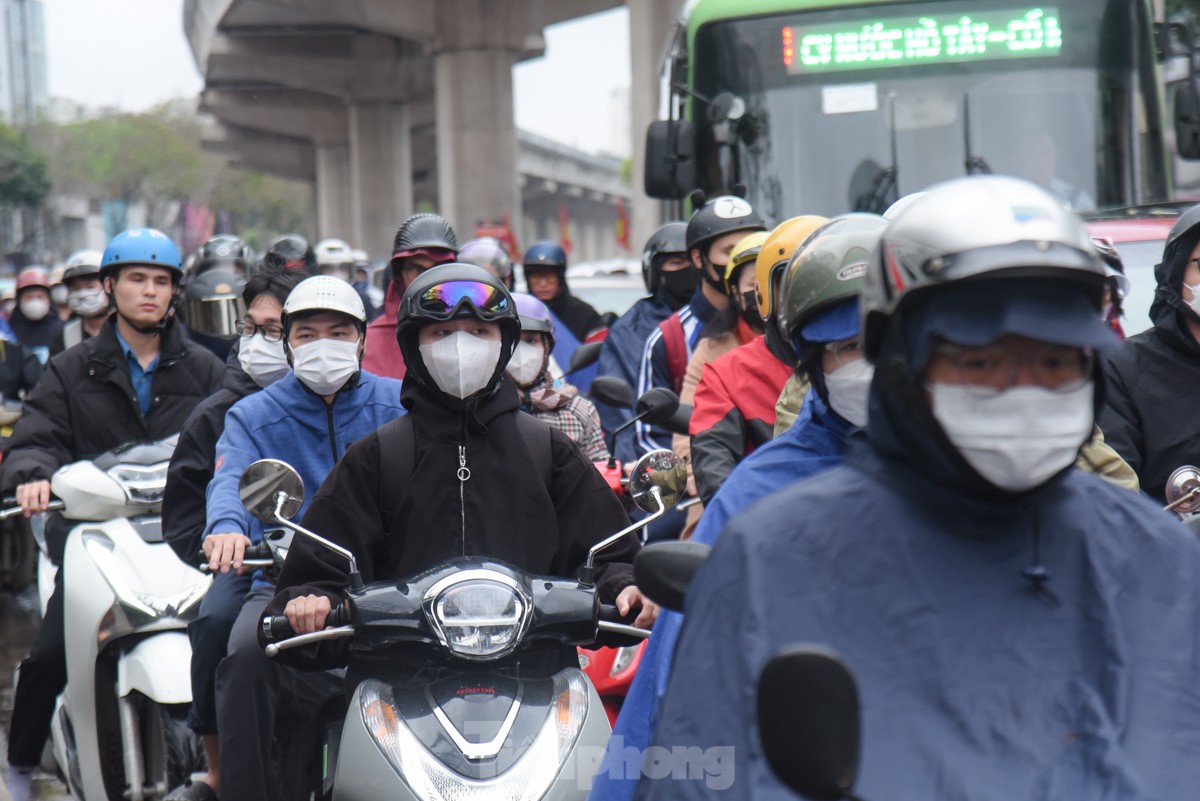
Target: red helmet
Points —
{"points": [[33, 276]]}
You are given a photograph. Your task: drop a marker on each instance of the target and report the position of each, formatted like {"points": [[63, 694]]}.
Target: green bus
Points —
{"points": [[827, 106]]}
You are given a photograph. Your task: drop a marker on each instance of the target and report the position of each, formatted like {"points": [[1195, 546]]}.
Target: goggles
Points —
{"points": [[442, 301]]}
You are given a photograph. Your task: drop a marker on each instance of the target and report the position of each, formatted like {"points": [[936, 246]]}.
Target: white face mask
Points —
{"points": [[87, 302], [326, 365], [1194, 303], [1017, 438], [526, 363], [848, 388], [461, 364], [58, 294], [263, 361], [35, 308]]}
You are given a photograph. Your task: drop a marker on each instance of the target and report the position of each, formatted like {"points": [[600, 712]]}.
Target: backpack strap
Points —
{"points": [[675, 342], [538, 439], [397, 461]]}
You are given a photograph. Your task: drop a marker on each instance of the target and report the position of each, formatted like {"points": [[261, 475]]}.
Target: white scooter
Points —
{"points": [[443, 708], [118, 729]]}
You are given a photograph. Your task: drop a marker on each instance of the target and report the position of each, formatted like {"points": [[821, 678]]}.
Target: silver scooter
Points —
{"points": [[118, 729], [460, 720]]}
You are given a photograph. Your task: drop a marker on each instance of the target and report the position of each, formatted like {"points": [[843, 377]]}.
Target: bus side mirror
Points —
{"points": [[670, 159], [1187, 118]]}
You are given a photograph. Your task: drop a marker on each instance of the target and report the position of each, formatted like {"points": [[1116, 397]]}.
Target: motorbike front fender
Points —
{"points": [[158, 667]]}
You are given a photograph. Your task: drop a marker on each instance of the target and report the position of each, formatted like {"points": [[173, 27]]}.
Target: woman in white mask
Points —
{"points": [[555, 401], [33, 320]]}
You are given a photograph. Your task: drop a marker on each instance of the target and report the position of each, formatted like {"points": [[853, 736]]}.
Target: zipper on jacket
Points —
{"points": [[332, 434], [464, 475]]}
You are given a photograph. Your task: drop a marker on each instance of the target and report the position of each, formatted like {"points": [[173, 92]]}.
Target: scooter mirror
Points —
{"points": [[808, 720], [612, 391], [662, 469], [664, 571], [1183, 490], [261, 484], [657, 405], [585, 355]]}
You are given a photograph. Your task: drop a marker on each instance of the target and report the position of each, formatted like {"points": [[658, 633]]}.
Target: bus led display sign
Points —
{"points": [[926, 39]]}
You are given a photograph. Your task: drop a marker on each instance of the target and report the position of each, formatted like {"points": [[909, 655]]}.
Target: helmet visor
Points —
{"points": [[442, 301]]}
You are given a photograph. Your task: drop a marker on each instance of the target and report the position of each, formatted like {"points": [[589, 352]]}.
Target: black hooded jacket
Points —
{"points": [[85, 404], [35, 334], [183, 514], [508, 513], [1154, 382], [575, 314]]}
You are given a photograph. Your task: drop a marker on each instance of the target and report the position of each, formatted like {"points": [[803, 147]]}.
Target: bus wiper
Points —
{"points": [[883, 189], [976, 165]]}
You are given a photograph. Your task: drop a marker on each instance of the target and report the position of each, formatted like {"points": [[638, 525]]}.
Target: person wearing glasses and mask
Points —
{"points": [[1150, 405], [1017, 628], [531, 498], [307, 417]]}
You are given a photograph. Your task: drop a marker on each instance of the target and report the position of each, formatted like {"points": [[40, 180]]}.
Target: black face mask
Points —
{"points": [[749, 310], [677, 287], [718, 270]]}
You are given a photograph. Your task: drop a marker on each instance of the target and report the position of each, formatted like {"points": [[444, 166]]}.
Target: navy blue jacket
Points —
{"points": [[621, 354]]}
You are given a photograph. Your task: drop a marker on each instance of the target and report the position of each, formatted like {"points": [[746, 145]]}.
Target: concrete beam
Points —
{"points": [[232, 60], [412, 19], [284, 156], [302, 115]]}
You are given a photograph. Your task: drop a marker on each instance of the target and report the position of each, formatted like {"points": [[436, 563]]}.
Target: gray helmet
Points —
{"points": [[983, 227]]}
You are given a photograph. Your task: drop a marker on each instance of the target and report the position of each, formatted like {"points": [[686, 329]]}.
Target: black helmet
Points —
{"points": [[223, 251], [290, 252], [663, 242], [719, 216], [422, 304], [424, 230], [546, 254], [213, 303]]}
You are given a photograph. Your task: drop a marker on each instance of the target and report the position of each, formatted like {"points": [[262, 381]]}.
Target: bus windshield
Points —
{"points": [[847, 109]]}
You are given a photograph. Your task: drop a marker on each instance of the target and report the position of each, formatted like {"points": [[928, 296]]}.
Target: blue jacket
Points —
{"points": [[621, 355], [287, 422], [975, 681], [814, 444]]}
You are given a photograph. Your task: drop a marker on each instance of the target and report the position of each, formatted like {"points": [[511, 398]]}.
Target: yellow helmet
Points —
{"points": [[778, 248], [745, 250]]}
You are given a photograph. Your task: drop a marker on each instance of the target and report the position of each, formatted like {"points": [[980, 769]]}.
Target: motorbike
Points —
{"points": [[1183, 496], [18, 553], [118, 730], [462, 717]]}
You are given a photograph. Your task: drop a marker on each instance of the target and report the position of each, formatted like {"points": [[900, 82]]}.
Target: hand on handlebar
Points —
{"points": [[33, 497], [631, 598], [226, 551], [308, 613]]}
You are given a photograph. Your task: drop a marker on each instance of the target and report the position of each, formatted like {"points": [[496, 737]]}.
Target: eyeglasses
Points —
{"points": [[271, 333], [999, 366], [442, 301]]}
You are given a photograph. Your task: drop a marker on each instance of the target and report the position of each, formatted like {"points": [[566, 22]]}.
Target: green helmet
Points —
{"points": [[827, 269]]}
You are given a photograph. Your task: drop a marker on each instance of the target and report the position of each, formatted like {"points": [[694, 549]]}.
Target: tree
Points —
{"points": [[24, 177]]}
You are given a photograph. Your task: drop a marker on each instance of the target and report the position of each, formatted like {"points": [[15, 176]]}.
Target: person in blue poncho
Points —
{"points": [[1018, 629], [820, 317]]}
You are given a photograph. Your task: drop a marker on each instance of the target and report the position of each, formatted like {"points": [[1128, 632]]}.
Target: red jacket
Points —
{"points": [[734, 411], [381, 355]]}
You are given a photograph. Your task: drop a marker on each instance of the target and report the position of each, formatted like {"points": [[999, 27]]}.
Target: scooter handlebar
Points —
{"points": [[14, 511], [278, 627]]}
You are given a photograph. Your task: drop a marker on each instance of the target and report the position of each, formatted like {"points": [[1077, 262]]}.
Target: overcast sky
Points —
{"points": [[132, 54]]}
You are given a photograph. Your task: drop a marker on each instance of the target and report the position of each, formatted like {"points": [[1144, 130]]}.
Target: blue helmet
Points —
{"points": [[144, 246], [546, 254]]}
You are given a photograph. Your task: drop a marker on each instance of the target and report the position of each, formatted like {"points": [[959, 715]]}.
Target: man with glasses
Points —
{"points": [[422, 242], [307, 417], [1017, 628]]}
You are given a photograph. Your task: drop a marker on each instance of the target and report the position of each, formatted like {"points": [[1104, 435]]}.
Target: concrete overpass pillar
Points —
{"points": [[650, 24], [334, 218], [380, 173]]}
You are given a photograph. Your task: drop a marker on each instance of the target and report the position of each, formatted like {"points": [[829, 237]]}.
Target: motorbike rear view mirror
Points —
{"points": [[585, 355], [270, 487], [808, 720], [657, 405], [273, 492], [612, 391], [1183, 490], [664, 571], [660, 470]]}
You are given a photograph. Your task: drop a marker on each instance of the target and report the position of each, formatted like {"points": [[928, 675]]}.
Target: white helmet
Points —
{"points": [[324, 293], [333, 251]]}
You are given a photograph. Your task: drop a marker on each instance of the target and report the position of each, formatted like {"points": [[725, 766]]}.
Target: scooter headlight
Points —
{"points": [[103, 553], [624, 658], [528, 779], [478, 618], [143, 484]]}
